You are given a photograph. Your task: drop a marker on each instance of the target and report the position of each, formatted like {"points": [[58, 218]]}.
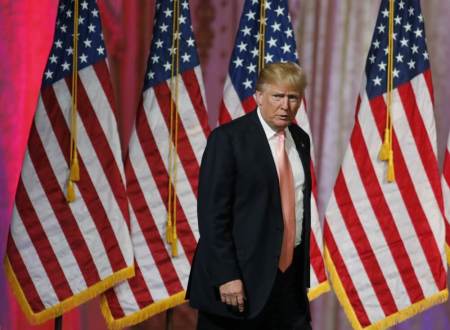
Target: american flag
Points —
{"points": [[61, 254], [446, 191], [385, 241], [238, 98], [161, 279]]}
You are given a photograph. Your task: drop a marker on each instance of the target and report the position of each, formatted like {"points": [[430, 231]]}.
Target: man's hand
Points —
{"points": [[232, 293]]}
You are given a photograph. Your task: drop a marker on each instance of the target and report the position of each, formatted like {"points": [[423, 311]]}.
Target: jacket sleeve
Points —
{"points": [[215, 202]]}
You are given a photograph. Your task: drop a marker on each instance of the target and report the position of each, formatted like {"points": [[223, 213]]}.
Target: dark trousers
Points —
{"points": [[286, 309]]}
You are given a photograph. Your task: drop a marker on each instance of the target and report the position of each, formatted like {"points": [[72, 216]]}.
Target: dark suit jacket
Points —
{"points": [[240, 218]]}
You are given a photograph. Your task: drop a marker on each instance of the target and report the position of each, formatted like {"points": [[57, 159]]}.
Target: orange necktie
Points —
{"points": [[287, 193]]}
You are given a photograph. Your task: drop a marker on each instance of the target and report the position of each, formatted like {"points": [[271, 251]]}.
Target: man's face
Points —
{"points": [[279, 105]]}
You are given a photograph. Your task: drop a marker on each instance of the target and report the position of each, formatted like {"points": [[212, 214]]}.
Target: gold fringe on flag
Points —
{"points": [[262, 35]]}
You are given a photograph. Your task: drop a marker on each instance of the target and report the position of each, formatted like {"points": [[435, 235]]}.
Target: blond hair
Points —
{"points": [[282, 73]]}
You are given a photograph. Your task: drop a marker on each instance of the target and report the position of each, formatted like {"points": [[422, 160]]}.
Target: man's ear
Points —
{"points": [[258, 96]]}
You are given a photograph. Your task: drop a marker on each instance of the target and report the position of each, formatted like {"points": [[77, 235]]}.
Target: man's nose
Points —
{"points": [[284, 102]]}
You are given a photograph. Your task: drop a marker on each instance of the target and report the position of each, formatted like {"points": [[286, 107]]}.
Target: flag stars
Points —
{"points": [[164, 27], [268, 58], [69, 51], [172, 50], [250, 15], [190, 42], [377, 81], [186, 57], [58, 43], [288, 32], [238, 62], [272, 42], [168, 12], [87, 43], [150, 75], [83, 58], [267, 5], [425, 55], [251, 68], [94, 13], [382, 66], [81, 20], [159, 43], [182, 19], [414, 49], [53, 59], [401, 5], [286, 48], [404, 42], [101, 50], [276, 27], [398, 20], [155, 59], [407, 27], [254, 52], [167, 66], [418, 33], [84, 5], [48, 74], [69, 13], [385, 12], [386, 51], [246, 30], [65, 66], [247, 84], [396, 73], [411, 11], [399, 58], [420, 17], [279, 11], [411, 64], [91, 28], [381, 28], [372, 59], [242, 46], [63, 28], [376, 44], [185, 5]]}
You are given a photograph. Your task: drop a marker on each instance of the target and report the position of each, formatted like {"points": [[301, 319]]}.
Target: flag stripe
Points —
{"points": [[345, 277], [63, 212], [359, 237], [192, 86], [22, 275], [85, 186], [409, 194], [43, 247], [103, 76], [384, 216]]}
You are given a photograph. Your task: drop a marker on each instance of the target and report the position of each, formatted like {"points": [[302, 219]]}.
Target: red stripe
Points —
{"points": [[39, 237], [86, 187], [194, 91], [317, 260], [184, 149], [249, 104], [429, 82], [411, 200], [161, 176], [423, 143], [380, 207], [23, 277], [313, 180], [139, 287], [102, 72], [61, 209], [224, 114], [362, 244], [114, 304], [102, 148], [345, 277]]}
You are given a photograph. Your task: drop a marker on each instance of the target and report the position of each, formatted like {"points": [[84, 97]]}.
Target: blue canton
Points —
{"points": [[159, 65], [410, 50], [280, 45], [91, 47]]}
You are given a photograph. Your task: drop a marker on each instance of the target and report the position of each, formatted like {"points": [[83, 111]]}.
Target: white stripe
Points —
{"points": [[32, 261], [374, 233], [199, 75], [126, 298], [395, 200], [425, 107], [50, 223], [231, 100], [352, 261], [103, 191], [159, 129], [191, 124], [104, 112]]}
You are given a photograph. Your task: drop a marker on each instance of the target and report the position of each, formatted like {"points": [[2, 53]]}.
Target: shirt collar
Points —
{"points": [[269, 131]]}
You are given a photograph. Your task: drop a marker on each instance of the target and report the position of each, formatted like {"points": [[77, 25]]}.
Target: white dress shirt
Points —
{"points": [[297, 170]]}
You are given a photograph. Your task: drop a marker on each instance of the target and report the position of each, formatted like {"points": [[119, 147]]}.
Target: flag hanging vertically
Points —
{"points": [[272, 41], [162, 167], [384, 228], [446, 192], [62, 253]]}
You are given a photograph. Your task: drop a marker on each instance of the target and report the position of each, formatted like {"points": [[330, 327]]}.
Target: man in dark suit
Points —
{"points": [[251, 267]]}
